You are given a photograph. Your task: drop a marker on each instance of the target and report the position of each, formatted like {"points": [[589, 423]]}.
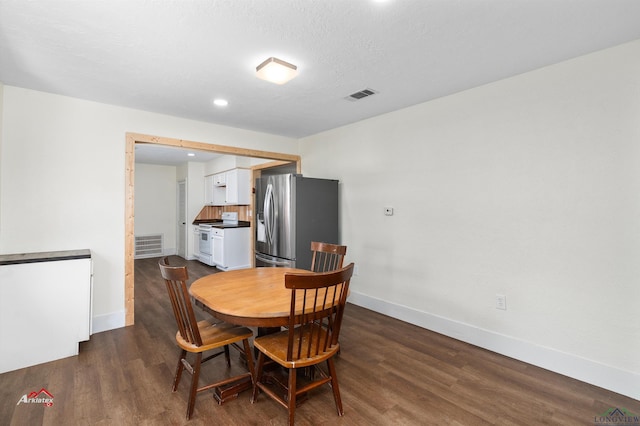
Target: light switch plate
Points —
{"points": [[501, 302]]}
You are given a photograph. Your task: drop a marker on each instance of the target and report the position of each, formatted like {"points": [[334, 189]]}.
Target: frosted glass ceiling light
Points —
{"points": [[220, 102], [276, 71]]}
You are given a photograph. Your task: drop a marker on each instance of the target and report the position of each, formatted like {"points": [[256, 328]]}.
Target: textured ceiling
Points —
{"points": [[175, 57]]}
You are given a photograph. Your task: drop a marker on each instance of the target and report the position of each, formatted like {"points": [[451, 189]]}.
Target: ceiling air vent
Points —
{"points": [[361, 94]]}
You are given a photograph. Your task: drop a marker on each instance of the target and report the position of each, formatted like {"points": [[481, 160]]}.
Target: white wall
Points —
{"points": [[528, 187], [62, 180], [155, 205]]}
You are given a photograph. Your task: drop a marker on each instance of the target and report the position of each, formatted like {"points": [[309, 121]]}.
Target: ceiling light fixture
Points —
{"points": [[220, 102], [276, 71]]}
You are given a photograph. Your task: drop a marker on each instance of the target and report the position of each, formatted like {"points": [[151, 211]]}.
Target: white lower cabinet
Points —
{"points": [[231, 248], [217, 239]]}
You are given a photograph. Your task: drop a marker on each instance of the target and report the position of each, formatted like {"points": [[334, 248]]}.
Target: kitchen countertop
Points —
{"points": [[47, 256], [201, 221], [219, 224]]}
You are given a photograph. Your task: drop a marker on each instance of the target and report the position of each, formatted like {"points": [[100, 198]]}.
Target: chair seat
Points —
{"points": [[215, 335], [275, 347]]}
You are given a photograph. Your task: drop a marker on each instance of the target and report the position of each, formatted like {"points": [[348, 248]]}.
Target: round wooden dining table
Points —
{"points": [[254, 297]]}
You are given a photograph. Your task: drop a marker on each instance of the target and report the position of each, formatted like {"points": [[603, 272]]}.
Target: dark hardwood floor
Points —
{"points": [[390, 373]]}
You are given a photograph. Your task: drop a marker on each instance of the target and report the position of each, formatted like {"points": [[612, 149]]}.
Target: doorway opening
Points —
{"points": [[277, 160]]}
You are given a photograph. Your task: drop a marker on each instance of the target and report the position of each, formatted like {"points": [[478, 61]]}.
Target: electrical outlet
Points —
{"points": [[355, 270], [501, 302]]}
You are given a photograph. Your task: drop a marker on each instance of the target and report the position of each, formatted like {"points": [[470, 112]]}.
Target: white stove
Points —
{"points": [[205, 244]]}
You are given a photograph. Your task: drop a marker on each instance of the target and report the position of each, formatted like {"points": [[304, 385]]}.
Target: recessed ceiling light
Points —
{"points": [[220, 102], [191, 154], [276, 71]]}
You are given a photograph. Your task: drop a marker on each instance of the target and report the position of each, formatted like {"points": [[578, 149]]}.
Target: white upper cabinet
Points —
{"points": [[208, 190], [219, 179], [228, 188], [238, 190]]}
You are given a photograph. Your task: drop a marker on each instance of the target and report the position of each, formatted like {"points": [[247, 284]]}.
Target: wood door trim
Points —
{"points": [[130, 140]]}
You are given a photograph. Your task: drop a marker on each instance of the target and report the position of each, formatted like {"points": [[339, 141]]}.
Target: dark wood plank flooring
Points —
{"points": [[390, 372]]}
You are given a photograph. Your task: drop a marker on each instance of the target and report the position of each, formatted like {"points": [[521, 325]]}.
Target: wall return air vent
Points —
{"points": [[148, 246], [361, 95]]}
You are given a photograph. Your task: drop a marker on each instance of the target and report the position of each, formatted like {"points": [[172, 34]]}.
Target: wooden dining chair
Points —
{"points": [[326, 256], [317, 305], [196, 337]]}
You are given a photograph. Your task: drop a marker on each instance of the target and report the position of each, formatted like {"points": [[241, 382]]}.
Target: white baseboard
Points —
{"points": [[607, 377], [108, 322]]}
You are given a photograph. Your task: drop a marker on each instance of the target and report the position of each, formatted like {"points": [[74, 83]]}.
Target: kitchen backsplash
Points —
{"points": [[215, 212]]}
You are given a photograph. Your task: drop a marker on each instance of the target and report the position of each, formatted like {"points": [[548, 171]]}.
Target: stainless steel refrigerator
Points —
{"points": [[292, 211]]}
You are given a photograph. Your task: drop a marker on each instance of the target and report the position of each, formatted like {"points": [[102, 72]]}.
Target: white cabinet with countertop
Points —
{"points": [[45, 306]]}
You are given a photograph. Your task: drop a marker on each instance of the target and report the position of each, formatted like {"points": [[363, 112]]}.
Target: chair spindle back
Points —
{"points": [[175, 277], [326, 256], [317, 306]]}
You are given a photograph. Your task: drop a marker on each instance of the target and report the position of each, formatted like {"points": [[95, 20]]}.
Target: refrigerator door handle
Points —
{"points": [[272, 261], [268, 209]]}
